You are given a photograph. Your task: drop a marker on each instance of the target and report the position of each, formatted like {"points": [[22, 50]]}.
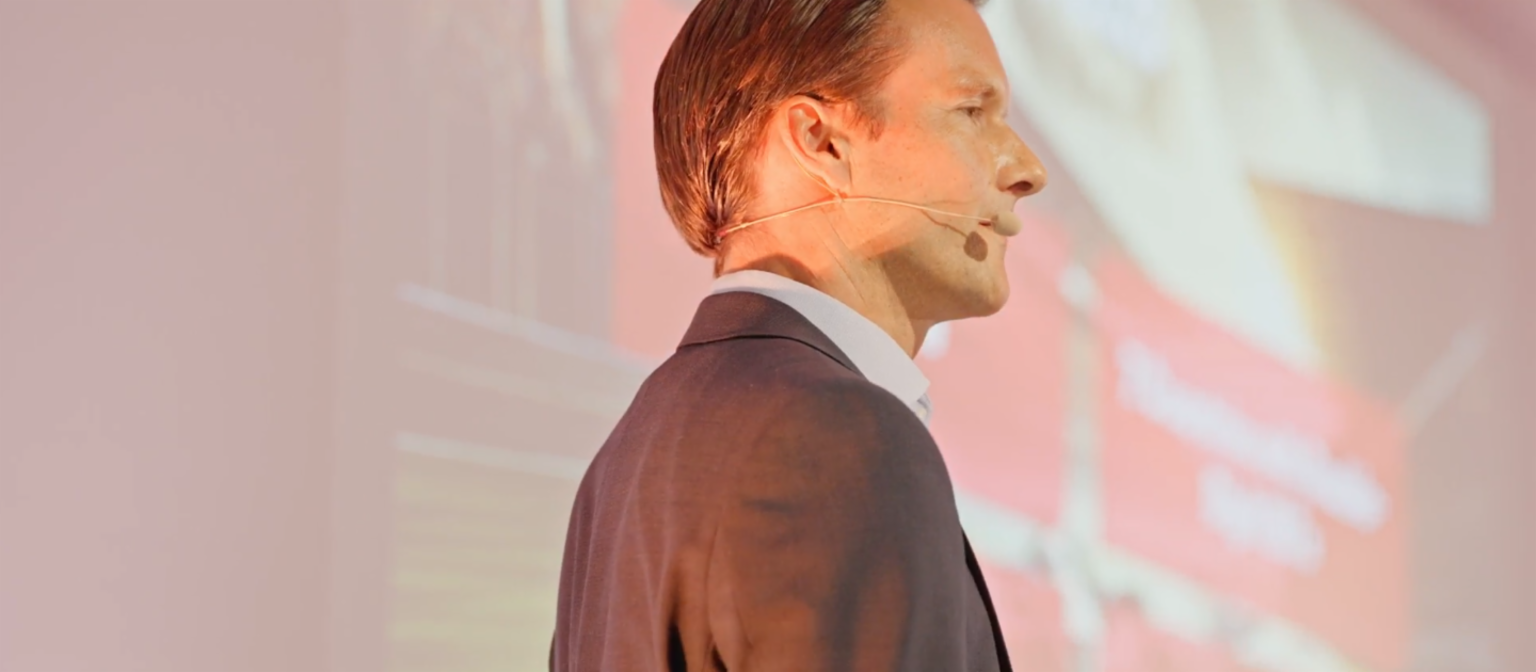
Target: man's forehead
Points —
{"points": [[964, 78], [948, 39]]}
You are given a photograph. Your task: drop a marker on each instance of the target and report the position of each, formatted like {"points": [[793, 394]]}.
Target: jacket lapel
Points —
{"points": [[986, 599]]}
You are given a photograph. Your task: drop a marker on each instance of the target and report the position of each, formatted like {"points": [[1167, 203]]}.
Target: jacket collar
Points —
{"points": [[749, 315]]}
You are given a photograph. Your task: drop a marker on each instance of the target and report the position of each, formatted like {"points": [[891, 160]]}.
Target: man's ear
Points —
{"points": [[816, 136]]}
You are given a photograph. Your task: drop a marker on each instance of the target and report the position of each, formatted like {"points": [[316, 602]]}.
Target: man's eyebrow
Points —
{"points": [[983, 90]]}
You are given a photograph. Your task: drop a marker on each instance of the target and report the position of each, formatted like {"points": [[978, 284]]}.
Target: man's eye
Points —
{"points": [[974, 112]]}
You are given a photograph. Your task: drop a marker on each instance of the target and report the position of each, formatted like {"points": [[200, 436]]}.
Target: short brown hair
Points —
{"points": [[730, 66]]}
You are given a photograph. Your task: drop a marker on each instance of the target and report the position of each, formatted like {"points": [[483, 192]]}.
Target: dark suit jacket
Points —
{"points": [[763, 506]]}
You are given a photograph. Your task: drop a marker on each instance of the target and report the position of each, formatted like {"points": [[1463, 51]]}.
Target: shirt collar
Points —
{"points": [[873, 351]]}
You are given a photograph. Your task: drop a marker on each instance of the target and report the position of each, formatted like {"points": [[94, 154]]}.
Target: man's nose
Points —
{"points": [[1022, 174]]}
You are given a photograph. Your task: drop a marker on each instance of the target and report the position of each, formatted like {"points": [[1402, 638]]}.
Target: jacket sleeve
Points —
{"points": [[840, 547]]}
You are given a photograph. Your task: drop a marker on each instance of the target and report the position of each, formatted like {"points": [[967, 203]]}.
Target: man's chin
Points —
{"points": [[987, 300], [996, 301]]}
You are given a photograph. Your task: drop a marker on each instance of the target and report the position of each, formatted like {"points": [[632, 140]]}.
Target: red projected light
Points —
{"points": [[1269, 484]]}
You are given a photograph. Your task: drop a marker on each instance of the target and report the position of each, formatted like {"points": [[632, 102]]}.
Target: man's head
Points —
{"points": [[766, 105]]}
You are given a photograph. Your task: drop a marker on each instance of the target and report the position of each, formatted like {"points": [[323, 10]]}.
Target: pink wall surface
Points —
{"points": [[168, 194]]}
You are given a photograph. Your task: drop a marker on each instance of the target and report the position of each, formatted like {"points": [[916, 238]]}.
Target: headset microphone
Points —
{"points": [[1007, 224], [1004, 223]]}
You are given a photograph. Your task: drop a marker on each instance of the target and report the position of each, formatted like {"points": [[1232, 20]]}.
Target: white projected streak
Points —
{"points": [[1298, 462], [497, 457], [539, 333], [1173, 603], [1141, 130], [1250, 518], [1135, 29], [1320, 98]]}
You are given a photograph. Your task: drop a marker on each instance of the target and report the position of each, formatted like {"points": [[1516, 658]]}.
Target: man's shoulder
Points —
{"points": [[773, 373], [797, 400], [718, 397]]}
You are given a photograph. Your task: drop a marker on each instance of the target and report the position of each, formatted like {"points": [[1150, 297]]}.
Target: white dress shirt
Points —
{"points": [[872, 350]]}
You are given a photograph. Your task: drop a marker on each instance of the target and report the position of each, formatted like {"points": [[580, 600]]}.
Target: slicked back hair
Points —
{"points": [[727, 71]]}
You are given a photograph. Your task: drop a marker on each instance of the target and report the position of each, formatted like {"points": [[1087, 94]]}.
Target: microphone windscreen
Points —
{"points": [[1007, 224]]}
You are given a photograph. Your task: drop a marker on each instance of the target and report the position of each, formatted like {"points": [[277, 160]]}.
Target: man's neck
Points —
{"points": [[867, 292]]}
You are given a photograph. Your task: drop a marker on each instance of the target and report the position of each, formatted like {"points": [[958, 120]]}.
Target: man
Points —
{"points": [[772, 499]]}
